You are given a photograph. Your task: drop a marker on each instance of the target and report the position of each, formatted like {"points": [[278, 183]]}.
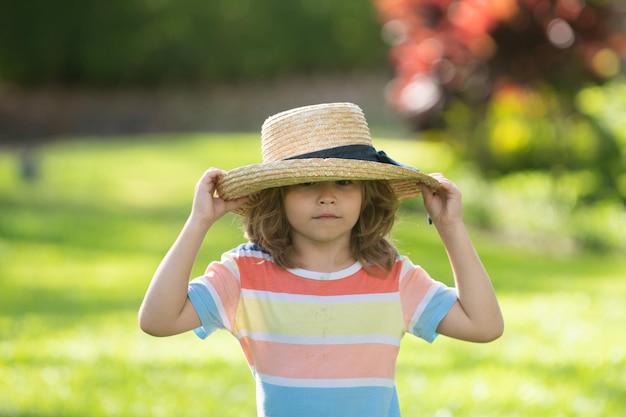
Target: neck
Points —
{"points": [[321, 259]]}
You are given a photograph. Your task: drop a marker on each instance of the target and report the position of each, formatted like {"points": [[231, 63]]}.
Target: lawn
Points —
{"points": [[79, 246]]}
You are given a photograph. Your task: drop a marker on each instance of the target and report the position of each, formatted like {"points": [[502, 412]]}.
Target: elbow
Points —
{"points": [[492, 333], [150, 326], [158, 326], [494, 328], [147, 327], [153, 330]]}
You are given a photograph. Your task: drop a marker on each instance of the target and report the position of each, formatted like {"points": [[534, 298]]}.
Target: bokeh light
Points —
{"points": [[468, 47]]}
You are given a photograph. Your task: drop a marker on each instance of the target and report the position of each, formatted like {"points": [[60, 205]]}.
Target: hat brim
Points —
{"points": [[250, 179]]}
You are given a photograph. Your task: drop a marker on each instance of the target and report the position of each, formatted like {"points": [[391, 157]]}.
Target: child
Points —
{"points": [[318, 298]]}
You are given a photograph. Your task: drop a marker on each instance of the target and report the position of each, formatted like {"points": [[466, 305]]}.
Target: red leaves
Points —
{"points": [[440, 48]]}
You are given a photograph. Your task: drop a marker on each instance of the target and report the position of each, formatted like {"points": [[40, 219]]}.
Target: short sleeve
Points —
{"points": [[215, 297], [425, 302], [425, 322]]}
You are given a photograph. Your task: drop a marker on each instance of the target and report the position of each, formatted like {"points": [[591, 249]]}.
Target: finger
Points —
{"points": [[427, 192], [210, 178], [212, 173], [237, 204], [437, 175], [444, 183]]}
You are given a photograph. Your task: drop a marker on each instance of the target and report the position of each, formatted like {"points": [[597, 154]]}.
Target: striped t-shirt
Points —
{"points": [[319, 344]]}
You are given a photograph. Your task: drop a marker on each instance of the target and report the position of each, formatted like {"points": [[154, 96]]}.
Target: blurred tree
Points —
{"points": [[502, 77], [155, 42]]}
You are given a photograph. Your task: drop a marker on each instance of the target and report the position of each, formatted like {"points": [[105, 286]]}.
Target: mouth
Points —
{"points": [[326, 216]]}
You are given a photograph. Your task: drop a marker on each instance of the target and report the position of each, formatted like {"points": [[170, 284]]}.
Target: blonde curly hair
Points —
{"points": [[266, 224]]}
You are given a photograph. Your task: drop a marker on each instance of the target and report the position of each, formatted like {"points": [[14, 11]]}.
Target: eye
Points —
{"points": [[304, 185], [343, 182]]}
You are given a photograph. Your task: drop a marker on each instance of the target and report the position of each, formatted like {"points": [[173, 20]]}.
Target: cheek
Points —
{"points": [[290, 202], [360, 200], [292, 207], [357, 207]]}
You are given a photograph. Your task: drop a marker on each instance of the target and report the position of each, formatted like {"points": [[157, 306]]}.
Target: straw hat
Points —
{"points": [[324, 142]]}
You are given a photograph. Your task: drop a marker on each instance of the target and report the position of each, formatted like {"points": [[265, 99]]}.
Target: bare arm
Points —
{"points": [[476, 315], [166, 310]]}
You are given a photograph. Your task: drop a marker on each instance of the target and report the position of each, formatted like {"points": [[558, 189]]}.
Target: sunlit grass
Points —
{"points": [[79, 246], [563, 352]]}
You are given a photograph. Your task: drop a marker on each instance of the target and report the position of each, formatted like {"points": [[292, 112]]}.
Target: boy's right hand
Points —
{"points": [[207, 207]]}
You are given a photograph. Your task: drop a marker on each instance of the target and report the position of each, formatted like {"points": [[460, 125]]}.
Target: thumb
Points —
{"points": [[427, 192]]}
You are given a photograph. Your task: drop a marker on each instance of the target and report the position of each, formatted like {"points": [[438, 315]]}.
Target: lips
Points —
{"points": [[326, 216]]}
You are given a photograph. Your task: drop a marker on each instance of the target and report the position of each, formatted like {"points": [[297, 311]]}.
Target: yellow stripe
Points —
{"points": [[313, 319]]}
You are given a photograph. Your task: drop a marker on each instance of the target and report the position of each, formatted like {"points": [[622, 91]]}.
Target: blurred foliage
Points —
{"points": [[537, 209], [516, 85], [122, 42], [528, 129], [553, 177], [527, 90], [472, 48], [78, 248]]}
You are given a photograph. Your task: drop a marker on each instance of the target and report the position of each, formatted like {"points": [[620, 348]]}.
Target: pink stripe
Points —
{"points": [[227, 286], [323, 361], [268, 277], [413, 288]]}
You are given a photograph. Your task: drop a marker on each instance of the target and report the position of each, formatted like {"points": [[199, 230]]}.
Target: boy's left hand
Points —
{"points": [[444, 205]]}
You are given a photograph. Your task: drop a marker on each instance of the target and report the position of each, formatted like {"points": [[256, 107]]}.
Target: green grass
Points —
{"points": [[79, 246]]}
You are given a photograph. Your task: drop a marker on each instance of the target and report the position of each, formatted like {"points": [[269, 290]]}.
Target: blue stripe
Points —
{"points": [[206, 308], [280, 401], [441, 303]]}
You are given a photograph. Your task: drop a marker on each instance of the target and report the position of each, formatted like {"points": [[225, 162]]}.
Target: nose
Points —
{"points": [[326, 193]]}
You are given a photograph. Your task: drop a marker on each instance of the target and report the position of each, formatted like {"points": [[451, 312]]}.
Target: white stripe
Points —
{"points": [[320, 340], [229, 262], [326, 383], [326, 276], [218, 302], [407, 265], [246, 250], [422, 305], [319, 299]]}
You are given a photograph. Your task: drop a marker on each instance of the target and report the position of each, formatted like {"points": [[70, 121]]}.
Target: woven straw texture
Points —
{"points": [[307, 129], [313, 128]]}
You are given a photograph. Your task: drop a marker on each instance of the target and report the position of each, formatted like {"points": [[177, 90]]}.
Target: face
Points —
{"points": [[323, 212]]}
